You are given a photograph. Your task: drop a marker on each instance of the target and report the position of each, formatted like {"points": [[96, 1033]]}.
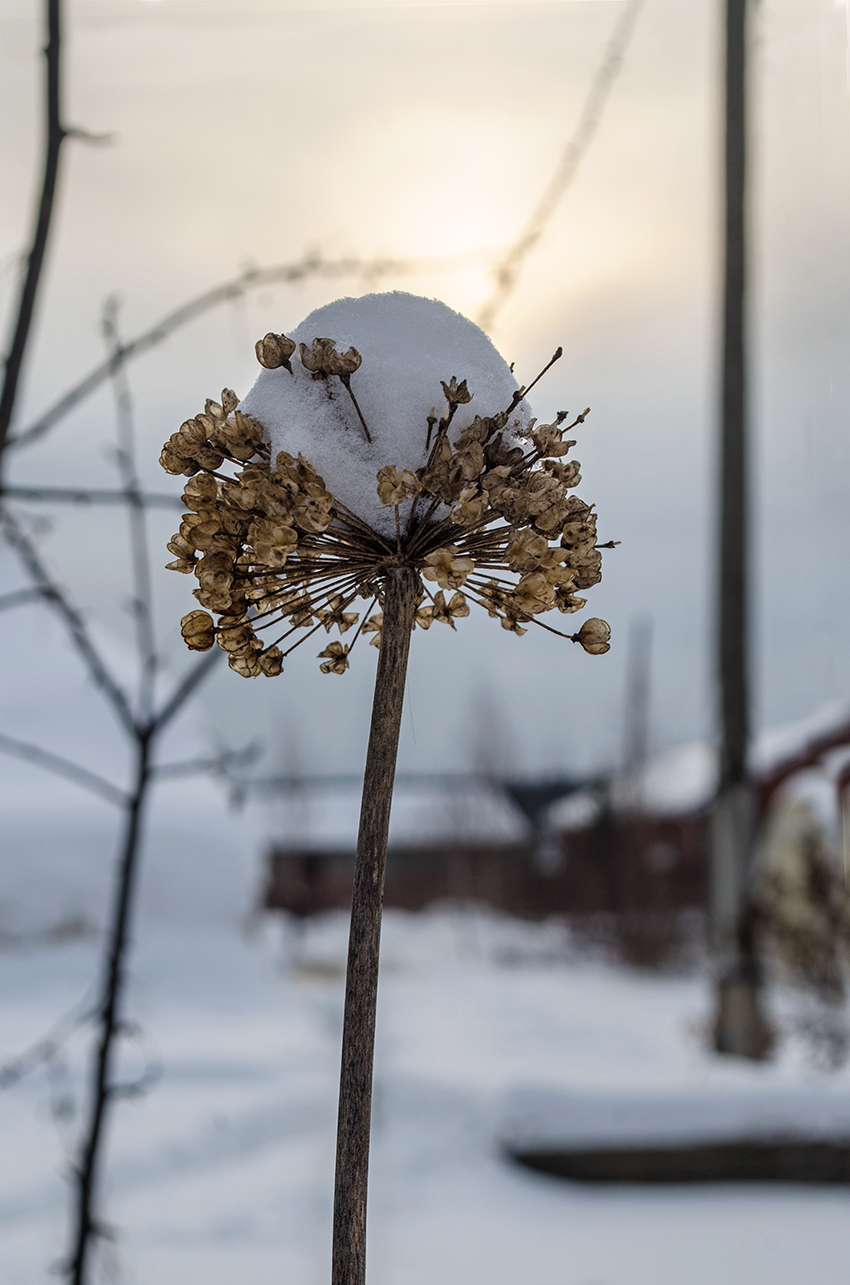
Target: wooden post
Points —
{"points": [[739, 1027], [361, 986]]}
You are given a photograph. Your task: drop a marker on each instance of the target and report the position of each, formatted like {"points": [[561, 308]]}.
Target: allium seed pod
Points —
{"points": [[198, 630], [274, 351], [594, 635]]}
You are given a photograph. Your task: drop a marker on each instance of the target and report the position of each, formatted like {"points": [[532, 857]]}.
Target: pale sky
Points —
{"points": [[248, 132]]}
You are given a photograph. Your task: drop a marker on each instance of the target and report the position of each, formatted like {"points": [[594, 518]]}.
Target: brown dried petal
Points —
{"points": [[247, 665], [313, 515], [213, 599], [201, 492], [446, 567], [568, 602], [208, 457], [471, 506], [395, 484], [236, 638], [498, 454], [456, 394], [590, 572], [337, 658], [335, 363], [549, 440], [534, 594], [271, 662], [471, 461], [525, 550], [181, 548]]}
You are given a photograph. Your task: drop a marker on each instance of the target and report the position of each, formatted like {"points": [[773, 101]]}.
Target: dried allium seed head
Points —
{"points": [[486, 508]]}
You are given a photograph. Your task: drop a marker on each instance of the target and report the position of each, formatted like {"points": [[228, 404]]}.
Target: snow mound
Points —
{"points": [[544, 1118], [408, 345]]}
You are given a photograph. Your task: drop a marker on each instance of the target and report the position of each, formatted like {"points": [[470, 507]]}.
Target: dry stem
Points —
{"points": [[361, 990]]}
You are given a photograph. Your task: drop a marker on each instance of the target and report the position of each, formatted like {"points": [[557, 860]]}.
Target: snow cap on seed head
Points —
{"points": [[408, 346]]}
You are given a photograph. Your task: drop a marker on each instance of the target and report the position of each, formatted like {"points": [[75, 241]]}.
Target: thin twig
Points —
{"points": [[142, 586], [89, 495], [346, 381], [20, 596], [184, 689], [250, 279], [220, 764], [47, 1046], [521, 393], [507, 272], [62, 767], [73, 620]]}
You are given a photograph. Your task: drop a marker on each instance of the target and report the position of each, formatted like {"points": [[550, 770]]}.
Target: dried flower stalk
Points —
{"points": [[488, 519]]}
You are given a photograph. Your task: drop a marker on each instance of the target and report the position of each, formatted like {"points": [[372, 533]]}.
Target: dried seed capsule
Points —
{"points": [[593, 636], [274, 351], [198, 630]]}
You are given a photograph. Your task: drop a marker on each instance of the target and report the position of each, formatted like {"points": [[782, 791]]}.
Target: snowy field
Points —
{"points": [[223, 1171]]}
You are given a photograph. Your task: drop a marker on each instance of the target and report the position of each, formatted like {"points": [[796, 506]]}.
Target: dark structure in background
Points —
{"points": [[637, 871], [621, 874], [606, 867]]}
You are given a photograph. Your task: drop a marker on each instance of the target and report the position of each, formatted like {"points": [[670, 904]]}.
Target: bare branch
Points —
{"points": [[142, 586], [184, 689], [73, 620], [83, 495], [507, 272], [251, 279], [43, 1049], [88, 136], [19, 596], [62, 767], [55, 135], [87, 1225], [220, 764]]}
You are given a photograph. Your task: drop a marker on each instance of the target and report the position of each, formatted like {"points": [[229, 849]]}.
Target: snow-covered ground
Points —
{"points": [[223, 1171]]}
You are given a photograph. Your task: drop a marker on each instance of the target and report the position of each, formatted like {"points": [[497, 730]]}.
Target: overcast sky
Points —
{"points": [[248, 132]]}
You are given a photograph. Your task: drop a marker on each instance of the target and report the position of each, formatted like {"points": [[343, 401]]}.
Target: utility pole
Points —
{"points": [[740, 1027]]}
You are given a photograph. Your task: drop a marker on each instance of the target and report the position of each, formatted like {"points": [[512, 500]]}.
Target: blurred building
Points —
{"points": [[610, 846]]}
